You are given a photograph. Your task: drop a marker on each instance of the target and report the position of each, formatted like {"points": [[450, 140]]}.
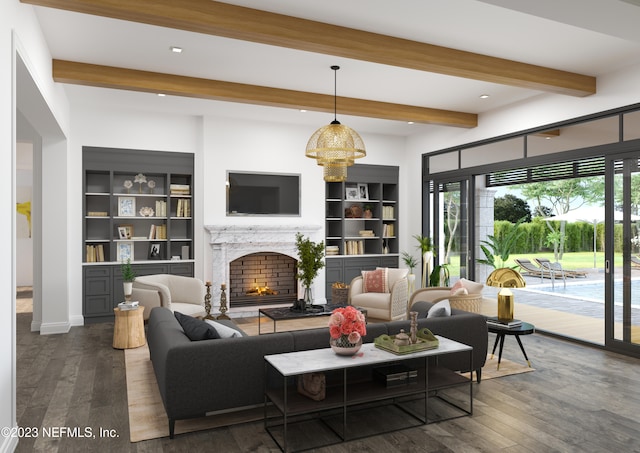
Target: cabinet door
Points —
{"points": [[184, 269], [389, 261], [98, 305], [353, 267]]}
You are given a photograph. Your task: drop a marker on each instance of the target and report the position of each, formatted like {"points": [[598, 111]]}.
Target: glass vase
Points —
{"points": [[307, 298]]}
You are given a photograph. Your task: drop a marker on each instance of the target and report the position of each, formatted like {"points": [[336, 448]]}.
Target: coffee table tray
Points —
{"points": [[426, 340]]}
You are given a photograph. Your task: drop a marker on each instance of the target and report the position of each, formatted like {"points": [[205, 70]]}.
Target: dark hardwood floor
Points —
{"points": [[579, 399]]}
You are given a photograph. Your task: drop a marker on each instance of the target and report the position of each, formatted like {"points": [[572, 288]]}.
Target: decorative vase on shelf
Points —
{"points": [[341, 346]]}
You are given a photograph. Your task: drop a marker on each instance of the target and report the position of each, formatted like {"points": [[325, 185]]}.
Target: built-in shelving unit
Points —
{"points": [[361, 222], [137, 205]]}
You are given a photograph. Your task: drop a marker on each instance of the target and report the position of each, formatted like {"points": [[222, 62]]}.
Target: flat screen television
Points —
{"points": [[268, 194]]}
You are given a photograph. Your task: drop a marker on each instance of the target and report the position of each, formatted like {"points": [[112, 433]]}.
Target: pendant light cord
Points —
{"points": [[335, 94]]}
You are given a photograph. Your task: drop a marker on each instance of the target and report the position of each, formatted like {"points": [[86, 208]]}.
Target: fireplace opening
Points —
{"points": [[262, 278]]}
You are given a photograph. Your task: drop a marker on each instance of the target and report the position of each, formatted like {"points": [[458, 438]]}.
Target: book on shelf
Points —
{"points": [[158, 231], [497, 322], [366, 233], [161, 208], [97, 214], [354, 248], [94, 253], [180, 189], [388, 230], [388, 212], [183, 209]]}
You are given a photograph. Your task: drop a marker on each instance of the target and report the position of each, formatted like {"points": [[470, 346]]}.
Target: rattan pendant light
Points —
{"points": [[335, 146]]}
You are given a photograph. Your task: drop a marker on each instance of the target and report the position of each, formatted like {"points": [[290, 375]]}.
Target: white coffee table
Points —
{"points": [[351, 388]]}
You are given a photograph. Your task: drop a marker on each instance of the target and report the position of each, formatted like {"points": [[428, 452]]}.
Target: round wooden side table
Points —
{"points": [[128, 330]]}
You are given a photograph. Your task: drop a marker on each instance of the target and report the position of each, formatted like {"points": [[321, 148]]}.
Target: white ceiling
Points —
{"points": [[590, 37]]}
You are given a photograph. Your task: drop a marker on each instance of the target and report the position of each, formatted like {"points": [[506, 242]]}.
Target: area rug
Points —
{"points": [[507, 368], [148, 420]]}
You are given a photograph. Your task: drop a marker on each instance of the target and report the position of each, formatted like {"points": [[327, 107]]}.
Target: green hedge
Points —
{"points": [[578, 236]]}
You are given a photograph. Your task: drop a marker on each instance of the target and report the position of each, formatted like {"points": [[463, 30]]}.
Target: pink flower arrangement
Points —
{"points": [[347, 323]]}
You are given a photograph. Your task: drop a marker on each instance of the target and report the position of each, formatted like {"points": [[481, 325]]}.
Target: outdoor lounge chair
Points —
{"points": [[553, 269], [528, 268], [546, 264]]}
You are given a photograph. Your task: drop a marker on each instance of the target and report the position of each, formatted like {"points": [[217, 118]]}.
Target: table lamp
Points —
{"points": [[505, 278]]}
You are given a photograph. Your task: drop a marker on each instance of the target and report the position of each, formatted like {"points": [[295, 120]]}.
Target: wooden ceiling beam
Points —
{"points": [[153, 82], [231, 21]]}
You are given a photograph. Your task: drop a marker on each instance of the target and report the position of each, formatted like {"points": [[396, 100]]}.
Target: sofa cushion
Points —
{"points": [[224, 331], [439, 310], [375, 281], [196, 329]]}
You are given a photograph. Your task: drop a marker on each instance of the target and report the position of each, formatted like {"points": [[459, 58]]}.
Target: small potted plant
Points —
{"points": [[425, 245], [128, 277], [411, 263], [368, 211]]}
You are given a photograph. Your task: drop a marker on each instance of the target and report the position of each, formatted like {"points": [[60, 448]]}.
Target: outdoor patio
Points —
{"points": [[563, 311]]}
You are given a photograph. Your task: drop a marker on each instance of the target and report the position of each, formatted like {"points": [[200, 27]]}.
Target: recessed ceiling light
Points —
{"points": [[175, 49], [410, 122], [303, 111], [161, 95], [484, 96]]}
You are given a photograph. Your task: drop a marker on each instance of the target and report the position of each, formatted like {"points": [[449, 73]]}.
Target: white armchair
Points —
{"points": [[176, 292], [389, 305]]}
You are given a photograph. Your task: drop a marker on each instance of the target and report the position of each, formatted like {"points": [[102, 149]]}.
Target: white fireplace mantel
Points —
{"points": [[229, 242]]}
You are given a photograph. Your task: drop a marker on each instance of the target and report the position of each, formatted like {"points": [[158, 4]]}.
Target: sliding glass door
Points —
{"points": [[450, 211], [622, 266]]}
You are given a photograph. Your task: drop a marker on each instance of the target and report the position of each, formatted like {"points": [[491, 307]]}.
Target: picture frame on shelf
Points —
{"points": [[363, 191], [351, 192], [125, 231], [155, 251], [124, 251], [126, 207]]}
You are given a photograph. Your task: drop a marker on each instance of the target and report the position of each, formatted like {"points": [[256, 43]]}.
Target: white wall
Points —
{"points": [[19, 32], [219, 144]]}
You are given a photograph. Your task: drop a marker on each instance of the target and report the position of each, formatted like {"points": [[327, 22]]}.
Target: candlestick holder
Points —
{"points": [[223, 303], [207, 302]]}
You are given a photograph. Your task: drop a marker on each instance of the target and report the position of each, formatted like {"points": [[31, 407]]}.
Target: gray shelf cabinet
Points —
{"points": [[151, 224], [359, 240]]}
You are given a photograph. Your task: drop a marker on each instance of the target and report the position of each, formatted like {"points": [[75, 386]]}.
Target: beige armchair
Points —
{"points": [[388, 306], [176, 292]]}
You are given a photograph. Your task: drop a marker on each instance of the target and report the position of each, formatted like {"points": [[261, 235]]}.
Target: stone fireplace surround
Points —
{"points": [[229, 242]]}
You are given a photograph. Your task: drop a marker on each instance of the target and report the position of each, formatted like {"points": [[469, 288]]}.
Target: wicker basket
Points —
{"points": [[467, 302], [340, 296]]}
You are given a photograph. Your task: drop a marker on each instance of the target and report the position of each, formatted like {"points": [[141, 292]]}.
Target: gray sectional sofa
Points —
{"points": [[198, 377]]}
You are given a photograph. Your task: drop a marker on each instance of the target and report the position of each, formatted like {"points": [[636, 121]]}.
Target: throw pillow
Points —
{"points": [[459, 291], [196, 329], [472, 287], [222, 330], [457, 286], [375, 281], [440, 310]]}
